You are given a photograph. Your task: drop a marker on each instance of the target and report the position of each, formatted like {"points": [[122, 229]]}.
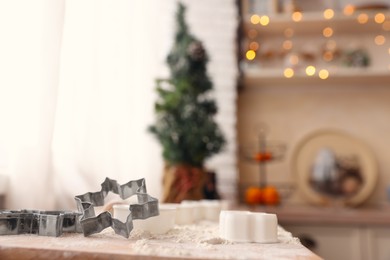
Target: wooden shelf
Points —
{"points": [[311, 26], [298, 214], [259, 77], [313, 22]]}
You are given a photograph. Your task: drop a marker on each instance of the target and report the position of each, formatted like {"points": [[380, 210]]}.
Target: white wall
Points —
{"points": [[215, 23]]}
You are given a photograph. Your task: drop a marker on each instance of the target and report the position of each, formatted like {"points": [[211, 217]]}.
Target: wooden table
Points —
{"points": [[183, 242]]}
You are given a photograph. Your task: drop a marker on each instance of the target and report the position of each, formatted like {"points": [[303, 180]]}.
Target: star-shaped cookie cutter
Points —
{"points": [[146, 207]]}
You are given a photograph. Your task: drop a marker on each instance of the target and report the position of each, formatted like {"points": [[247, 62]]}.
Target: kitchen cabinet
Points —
{"points": [[340, 242], [330, 242], [378, 243], [338, 233]]}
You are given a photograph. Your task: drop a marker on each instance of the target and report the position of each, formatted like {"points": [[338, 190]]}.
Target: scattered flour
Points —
{"points": [[286, 237], [199, 241], [202, 240]]}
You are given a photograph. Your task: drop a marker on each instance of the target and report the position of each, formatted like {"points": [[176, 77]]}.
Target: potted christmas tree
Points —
{"points": [[185, 125]]}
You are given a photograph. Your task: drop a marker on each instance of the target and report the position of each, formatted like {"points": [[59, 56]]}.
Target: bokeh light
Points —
{"points": [[297, 16], [250, 55], [294, 59], [327, 56], [362, 18], [349, 10], [327, 32], [255, 19], [288, 73], [254, 46], [328, 14], [380, 18], [380, 40], [323, 74], [287, 45], [310, 70], [264, 20]]}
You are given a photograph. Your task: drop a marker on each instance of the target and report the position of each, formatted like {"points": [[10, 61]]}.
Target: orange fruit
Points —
{"points": [[270, 196], [263, 157], [253, 195]]}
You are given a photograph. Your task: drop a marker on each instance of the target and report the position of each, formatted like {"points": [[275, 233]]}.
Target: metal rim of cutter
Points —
{"points": [[146, 207]]}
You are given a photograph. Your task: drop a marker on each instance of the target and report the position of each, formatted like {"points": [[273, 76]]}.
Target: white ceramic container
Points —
{"points": [[197, 209], [185, 214], [245, 226], [211, 209]]}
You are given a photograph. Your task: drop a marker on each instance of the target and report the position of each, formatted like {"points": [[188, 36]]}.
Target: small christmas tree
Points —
{"points": [[185, 123]]}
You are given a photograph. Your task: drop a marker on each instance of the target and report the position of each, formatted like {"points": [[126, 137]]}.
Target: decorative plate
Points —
{"points": [[334, 168]]}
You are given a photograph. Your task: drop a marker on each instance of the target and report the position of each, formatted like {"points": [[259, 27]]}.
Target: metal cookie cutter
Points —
{"points": [[147, 207], [54, 223], [43, 223]]}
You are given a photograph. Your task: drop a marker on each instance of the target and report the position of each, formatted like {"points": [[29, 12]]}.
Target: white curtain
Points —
{"points": [[76, 95], [30, 34]]}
